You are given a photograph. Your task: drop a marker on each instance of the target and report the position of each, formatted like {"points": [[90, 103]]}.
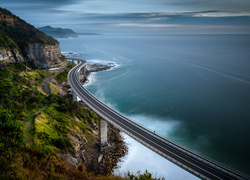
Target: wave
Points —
{"points": [[91, 79], [153, 123], [70, 53]]}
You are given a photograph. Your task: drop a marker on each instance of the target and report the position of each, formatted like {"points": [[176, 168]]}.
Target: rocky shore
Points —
{"points": [[95, 68], [105, 160]]}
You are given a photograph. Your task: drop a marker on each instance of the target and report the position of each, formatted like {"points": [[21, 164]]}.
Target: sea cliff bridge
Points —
{"points": [[197, 165]]}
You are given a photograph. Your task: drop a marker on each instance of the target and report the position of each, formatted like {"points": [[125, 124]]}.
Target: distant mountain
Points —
{"points": [[58, 32]]}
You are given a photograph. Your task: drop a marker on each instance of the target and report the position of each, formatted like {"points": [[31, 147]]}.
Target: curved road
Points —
{"points": [[191, 162]]}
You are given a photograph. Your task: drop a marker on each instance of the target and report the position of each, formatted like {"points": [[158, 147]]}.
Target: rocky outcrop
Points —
{"points": [[78, 140], [10, 56], [8, 18], [104, 161], [45, 55], [99, 67]]}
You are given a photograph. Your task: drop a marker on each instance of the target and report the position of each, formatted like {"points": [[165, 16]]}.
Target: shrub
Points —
{"points": [[34, 105], [11, 135]]}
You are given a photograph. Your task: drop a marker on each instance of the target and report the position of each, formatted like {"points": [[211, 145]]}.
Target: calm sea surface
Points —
{"points": [[191, 89]]}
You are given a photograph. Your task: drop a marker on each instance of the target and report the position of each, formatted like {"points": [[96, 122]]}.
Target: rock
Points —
{"points": [[45, 55], [99, 67], [105, 161], [69, 158], [100, 158], [10, 56], [71, 53]]}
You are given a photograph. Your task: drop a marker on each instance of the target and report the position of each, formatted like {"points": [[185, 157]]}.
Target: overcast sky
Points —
{"points": [[136, 16]]}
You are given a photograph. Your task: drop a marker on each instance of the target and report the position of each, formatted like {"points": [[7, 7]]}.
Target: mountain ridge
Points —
{"points": [[58, 32], [62, 32]]}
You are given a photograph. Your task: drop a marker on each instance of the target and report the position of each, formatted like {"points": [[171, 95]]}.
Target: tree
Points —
{"points": [[11, 135]]}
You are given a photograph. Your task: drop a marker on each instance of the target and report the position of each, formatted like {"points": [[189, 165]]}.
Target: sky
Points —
{"points": [[136, 16]]}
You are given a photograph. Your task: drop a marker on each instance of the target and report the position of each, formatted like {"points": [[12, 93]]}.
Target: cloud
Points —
{"points": [[72, 14], [159, 22], [41, 2], [223, 5]]}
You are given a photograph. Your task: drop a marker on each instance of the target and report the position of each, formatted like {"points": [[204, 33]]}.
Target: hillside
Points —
{"points": [[20, 41], [58, 32]]}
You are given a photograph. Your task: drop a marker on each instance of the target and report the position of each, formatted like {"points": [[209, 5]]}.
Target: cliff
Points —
{"points": [[20, 41], [45, 55]]}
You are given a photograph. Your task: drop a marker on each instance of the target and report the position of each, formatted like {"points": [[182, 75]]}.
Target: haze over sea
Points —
{"points": [[191, 89]]}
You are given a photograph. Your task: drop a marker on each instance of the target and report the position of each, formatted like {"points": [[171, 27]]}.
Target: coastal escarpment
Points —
{"points": [[20, 41], [45, 55]]}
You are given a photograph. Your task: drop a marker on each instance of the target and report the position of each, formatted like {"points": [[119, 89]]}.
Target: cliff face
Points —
{"points": [[20, 41], [10, 56], [45, 55]]}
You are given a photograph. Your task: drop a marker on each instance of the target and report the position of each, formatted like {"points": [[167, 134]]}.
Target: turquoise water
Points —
{"points": [[192, 89]]}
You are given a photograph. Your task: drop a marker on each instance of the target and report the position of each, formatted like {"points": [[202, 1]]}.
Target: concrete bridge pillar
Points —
{"points": [[103, 132], [83, 70], [74, 96]]}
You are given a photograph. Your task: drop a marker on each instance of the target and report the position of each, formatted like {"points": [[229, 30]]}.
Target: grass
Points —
{"points": [[53, 88], [40, 89], [42, 125], [36, 76], [52, 129]]}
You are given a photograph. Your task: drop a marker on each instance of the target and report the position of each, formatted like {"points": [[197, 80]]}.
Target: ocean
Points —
{"points": [[191, 89]]}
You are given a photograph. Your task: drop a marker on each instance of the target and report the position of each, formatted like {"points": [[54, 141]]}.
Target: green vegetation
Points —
{"points": [[6, 42], [53, 88], [36, 76], [11, 135], [62, 76], [145, 176]]}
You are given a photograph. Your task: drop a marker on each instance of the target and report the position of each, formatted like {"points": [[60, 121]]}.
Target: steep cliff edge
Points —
{"points": [[20, 41]]}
